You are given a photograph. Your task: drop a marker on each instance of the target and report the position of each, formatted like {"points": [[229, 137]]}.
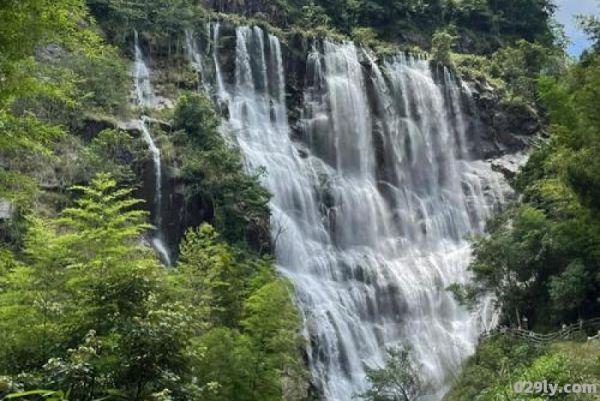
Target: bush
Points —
{"points": [[442, 44]]}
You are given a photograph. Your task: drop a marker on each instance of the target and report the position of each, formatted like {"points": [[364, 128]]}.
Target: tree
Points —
{"points": [[214, 172], [569, 290], [271, 323], [195, 114], [86, 276], [509, 260], [313, 16], [213, 280], [442, 44], [526, 19], [398, 380], [110, 274], [591, 26]]}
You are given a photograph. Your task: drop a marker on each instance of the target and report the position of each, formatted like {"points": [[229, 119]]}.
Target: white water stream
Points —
{"points": [[371, 202], [145, 97]]}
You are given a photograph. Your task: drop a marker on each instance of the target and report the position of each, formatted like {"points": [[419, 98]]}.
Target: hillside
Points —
{"points": [[272, 200]]}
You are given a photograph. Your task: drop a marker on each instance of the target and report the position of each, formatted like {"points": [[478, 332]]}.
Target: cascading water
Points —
{"points": [[145, 98], [370, 205]]}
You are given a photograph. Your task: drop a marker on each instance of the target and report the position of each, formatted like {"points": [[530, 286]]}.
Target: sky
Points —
{"points": [[565, 13]]}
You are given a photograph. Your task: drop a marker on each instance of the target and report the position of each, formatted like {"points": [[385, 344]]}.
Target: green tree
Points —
{"points": [[508, 260], [212, 278], [271, 322], [569, 290], [214, 172], [33, 301], [313, 16], [195, 114], [115, 152], [591, 26], [110, 274], [398, 380], [442, 44]]}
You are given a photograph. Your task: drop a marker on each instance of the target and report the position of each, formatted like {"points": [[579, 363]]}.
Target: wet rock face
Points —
{"points": [[509, 165], [505, 127]]}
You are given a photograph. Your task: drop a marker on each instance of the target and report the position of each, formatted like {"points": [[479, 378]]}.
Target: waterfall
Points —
{"points": [[196, 58], [145, 98], [143, 87], [371, 202]]}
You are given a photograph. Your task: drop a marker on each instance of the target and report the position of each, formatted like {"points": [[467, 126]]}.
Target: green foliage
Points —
{"points": [[52, 65], [515, 70], [214, 171], [541, 258], [31, 25], [313, 16], [120, 17], [250, 343], [365, 36], [509, 259], [114, 152], [83, 272], [591, 26], [214, 279], [196, 116], [89, 310], [527, 19], [47, 395], [270, 322], [500, 362], [493, 366], [519, 66], [398, 380], [86, 311], [442, 44], [102, 80], [569, 290]]}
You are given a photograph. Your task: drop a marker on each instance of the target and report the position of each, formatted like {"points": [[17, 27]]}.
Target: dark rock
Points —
{"points": [[523, 119], [92, 125], [500, 121], [504, 127]]}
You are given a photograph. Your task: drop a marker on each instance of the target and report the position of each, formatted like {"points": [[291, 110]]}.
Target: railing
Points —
{"points": [[576, 330]]}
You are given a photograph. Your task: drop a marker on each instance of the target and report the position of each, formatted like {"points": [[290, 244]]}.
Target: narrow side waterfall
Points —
{"points": [[145, 98], [371, 200]]}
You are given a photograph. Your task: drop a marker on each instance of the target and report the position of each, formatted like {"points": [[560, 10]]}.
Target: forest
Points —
{"points": [[87, 310]]}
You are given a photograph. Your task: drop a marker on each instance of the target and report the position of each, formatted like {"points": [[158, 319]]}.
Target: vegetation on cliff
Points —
{"points": [[86, 310], [88, 313], [500, 362], [540, 257]]}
